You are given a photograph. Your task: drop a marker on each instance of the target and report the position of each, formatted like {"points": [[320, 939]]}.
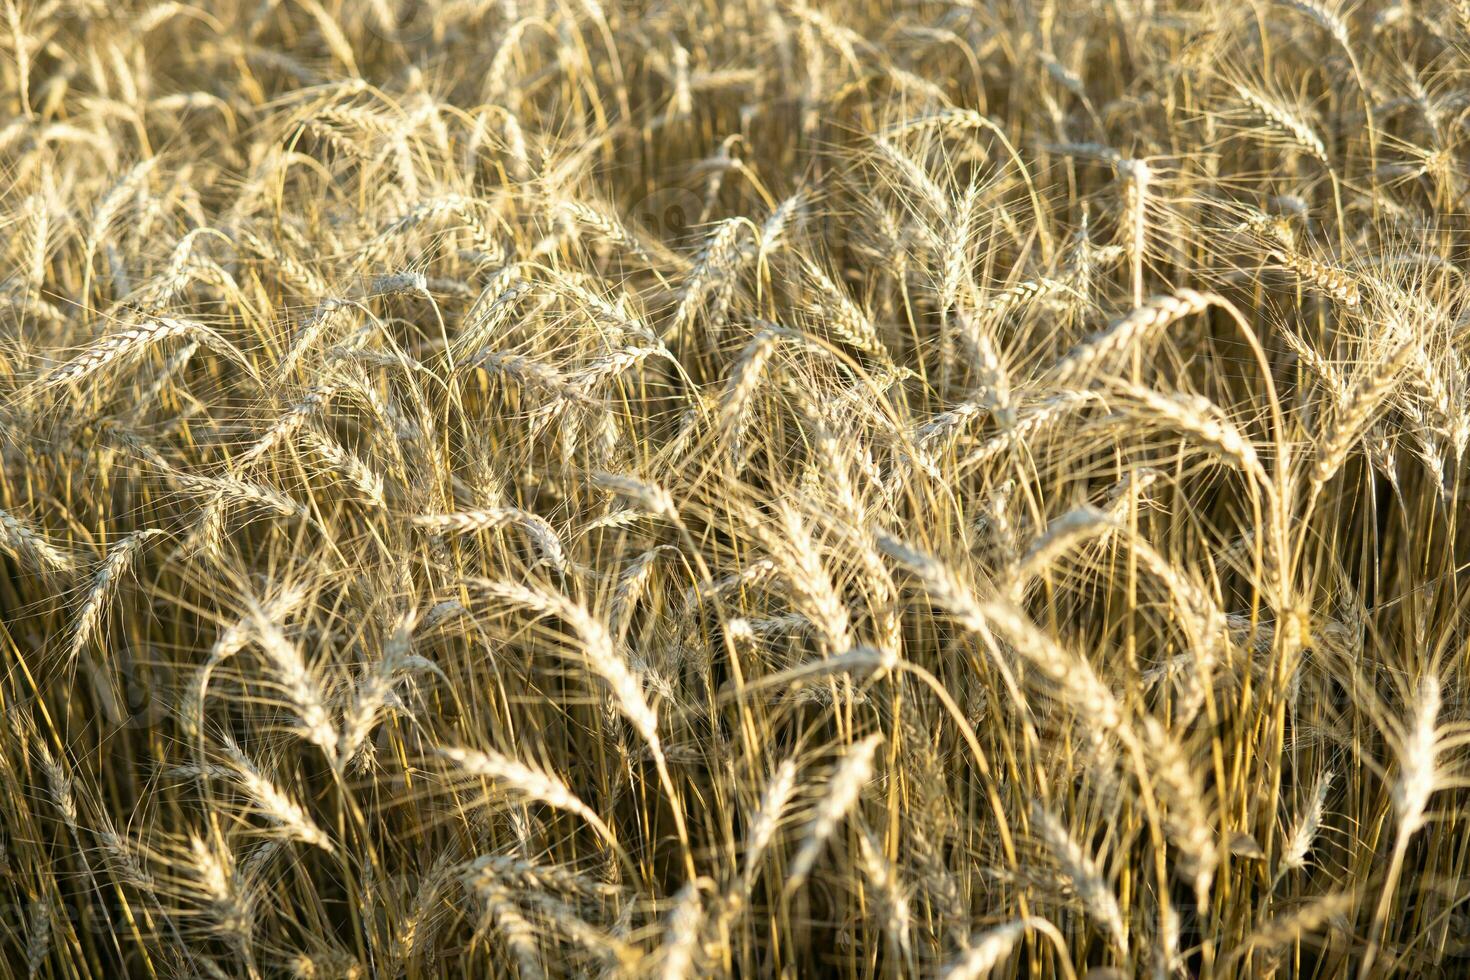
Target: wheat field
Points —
{"points": [[766, 488]]}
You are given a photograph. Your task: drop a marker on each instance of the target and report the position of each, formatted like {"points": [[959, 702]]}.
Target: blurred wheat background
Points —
{"points": [[889, 488]]}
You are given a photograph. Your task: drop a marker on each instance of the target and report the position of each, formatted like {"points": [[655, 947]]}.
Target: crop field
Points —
{"points": [[734, 488]]}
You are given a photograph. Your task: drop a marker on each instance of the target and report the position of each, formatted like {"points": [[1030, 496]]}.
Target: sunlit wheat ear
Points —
{"points": [[1354, 414], [1284, 119], [632, 584], [607, 227], [755, 575], [362, 476], [999, 304], [271, 802], [783, 218], [540, 532], [1136, 176], [484, 248], [167, 378], [939, 431], [990, 374], [301, 686], [1200, 419], [1132, 489], [616, 364], [1101, 152], [38, 936], [224, 490], [327, 313], [1335, 283], [162, 289], [324, 960], [843, 790], [1072, 677], [1086, 879], [995, 525], [496, 303], [989, 949], [767, 820], [59, 786], [680, 951], [31, 547], [1204, 622], [524, 781], [597, 646], [504, 914], [518, 147], [954, 274], [892, 896], [229, 641], [857, 530], [216, 878], [1089, 357], [844, 317], [914, 175], [39, 234], [1326, 372], [546, 378], [813, 590], [1062, 535], [1430, 377], [1292, 926], [1186, 818], [374, 692], [564, 920], [1168, 959], [123, 856], [725, 251], [735, 401], [305, 278], [104, 585], [532, 875], [1419, 774], [397, 284], [281, 603], [112, 205], [1305, 829], [119, 347], [1329, 19], [1031, 422], [295, 416]]}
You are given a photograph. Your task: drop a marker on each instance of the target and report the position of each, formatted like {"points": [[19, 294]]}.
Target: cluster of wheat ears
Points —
{"points": [[760, 488]]}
